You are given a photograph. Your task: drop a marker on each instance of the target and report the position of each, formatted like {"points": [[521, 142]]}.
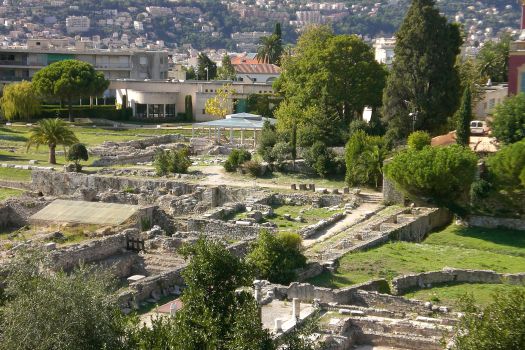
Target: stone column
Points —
{"points": [[296, 309], [164, 111], [147, 110], [231, 136], [278, 328]]}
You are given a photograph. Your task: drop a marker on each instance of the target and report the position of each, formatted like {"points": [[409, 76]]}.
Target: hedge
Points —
{"points": [[104, 111]]}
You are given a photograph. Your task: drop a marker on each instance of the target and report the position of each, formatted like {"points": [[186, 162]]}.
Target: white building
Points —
{"points": [[77, 24], [491, 96], [384, 50]]}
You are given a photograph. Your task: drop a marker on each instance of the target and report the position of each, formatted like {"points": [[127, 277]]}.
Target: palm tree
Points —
{"points": [[51, 132], [270, 49]]}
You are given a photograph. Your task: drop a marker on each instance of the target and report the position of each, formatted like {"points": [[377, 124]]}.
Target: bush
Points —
{"points": [[172, 161], [508, 125], [440, 174], [104, 111], [479, 190], [507, 166], [281, 152], [364, 157], [76, 153], [236, 158], [320, 158], [419, 140], [253, 168], [267, 141], [275, 257]]}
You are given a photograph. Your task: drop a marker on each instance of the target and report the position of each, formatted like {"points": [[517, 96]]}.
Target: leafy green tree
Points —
{"points": [[418, 140], [313, 77], [76, 153], [191, 74], [275, 257], [172, 161], [267, 140], [442, 175], [507, 166], [226, 71], [66, 80], [364, 156], [498, 326], [320, 158], [20, 101], [222, 103], [52, 133], [98, 86], [206, 68], [508, 125], [43, 310], [423, 79], [493, 59], [463, 118]]}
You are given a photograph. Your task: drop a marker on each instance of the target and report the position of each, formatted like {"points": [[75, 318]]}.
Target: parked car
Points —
{"points": [[478, 127]]}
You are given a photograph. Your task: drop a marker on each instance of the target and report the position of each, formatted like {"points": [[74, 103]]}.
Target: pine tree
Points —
{"points": [[463, 118], [424, 79], [226, 71]]}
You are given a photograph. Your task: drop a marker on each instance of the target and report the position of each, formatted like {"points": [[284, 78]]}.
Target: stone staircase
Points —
{"points": [[371, 197], [157, 263]]}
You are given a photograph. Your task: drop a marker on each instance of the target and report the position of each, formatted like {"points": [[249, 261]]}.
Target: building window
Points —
{"points": [[140, 110], [143, 60]]}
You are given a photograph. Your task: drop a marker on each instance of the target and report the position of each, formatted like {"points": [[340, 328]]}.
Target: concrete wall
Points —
{"points": [[492, 222], [407, 283]]}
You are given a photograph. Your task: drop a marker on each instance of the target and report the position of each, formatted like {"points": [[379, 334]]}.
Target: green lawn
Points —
{"points": [[6, 193], [12, 174], [449, 295], [498, 250]]}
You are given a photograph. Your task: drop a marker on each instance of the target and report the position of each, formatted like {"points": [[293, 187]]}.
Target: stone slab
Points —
{"points": [[85, 212]]}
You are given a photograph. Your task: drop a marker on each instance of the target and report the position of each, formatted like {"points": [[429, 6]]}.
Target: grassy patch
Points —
{"points": [[12, 174], [449, 294], [6, 193], [452, 247]]}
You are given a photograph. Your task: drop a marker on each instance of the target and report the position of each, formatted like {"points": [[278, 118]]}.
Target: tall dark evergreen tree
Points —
{"points": [[424, 79], [463, 118], [205, 63]]}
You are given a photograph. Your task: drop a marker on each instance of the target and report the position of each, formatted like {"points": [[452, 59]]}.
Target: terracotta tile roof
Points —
{"points": [[262, 68], [245, 59], [479, 144]]}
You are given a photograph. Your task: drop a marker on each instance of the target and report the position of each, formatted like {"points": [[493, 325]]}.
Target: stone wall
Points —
{"points": [[8, 217], [416, 229], [307, 292], [311, 230], [391, 195], [493, 222], [407, 283], [63, 184], [214, 228], [94, 251], [21, 185]]}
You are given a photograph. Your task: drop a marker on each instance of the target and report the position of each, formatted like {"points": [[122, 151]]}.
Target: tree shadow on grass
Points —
{"points": [[511, 238], [329, 280]]}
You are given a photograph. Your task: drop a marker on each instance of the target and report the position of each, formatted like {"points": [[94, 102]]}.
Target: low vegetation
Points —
{"points": [[172, 161]]}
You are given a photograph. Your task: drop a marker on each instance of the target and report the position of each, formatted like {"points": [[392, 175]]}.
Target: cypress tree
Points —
{"points": [[424, 79], [188, 108], [463, 118]]}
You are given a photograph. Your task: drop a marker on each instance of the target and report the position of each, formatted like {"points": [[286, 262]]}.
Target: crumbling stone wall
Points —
{"points": [[493, 222], [407, 283], [310, 230], [225, 229], [63, 184]]}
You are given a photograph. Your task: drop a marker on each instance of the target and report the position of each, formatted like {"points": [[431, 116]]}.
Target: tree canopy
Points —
{"points": [[20, 101], [508, 124], [52, 133], [364, 156], [313, 79], [424, 78], [226, 71], [442, 175], [493, 59], [206, 68], [463, 118], [222, 103], [68, 79], [507, 166]]}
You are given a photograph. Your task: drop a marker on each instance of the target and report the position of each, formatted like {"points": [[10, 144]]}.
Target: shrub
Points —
{"points": [[479, 190], [364, 157], [102, 111], [441, 174], [253, 168], [172, 161], [357, 125], [320, 158], [236, 158], [267, 141], [418, 140], [76, 153], [276, 256], [507, 166], [508, 125], [281, 152]]}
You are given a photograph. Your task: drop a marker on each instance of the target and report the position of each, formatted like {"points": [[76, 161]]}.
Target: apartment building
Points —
{"points": [[22, 62], [77, 24]]}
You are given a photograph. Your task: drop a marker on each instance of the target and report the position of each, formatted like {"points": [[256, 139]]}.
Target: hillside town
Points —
{"points": [[262, 175]]}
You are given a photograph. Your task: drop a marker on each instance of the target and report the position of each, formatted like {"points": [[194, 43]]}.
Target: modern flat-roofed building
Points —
{"points": [[384, 50], [22, 62], [77, 24], [165, 99]]}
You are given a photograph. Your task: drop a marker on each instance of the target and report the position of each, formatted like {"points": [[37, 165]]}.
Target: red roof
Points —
{"points": [[262, 68]]}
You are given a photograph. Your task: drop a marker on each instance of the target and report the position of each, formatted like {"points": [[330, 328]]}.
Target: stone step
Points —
{"points": [[377, 324]]}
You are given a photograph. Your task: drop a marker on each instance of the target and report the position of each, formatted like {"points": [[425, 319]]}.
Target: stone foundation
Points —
{"points": [[492, 222]]}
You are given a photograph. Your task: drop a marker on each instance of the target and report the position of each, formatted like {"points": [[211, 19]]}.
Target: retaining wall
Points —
{"points": [[224, 229], [59, 184], [311, 230], [407, 283], [492, 222]]}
